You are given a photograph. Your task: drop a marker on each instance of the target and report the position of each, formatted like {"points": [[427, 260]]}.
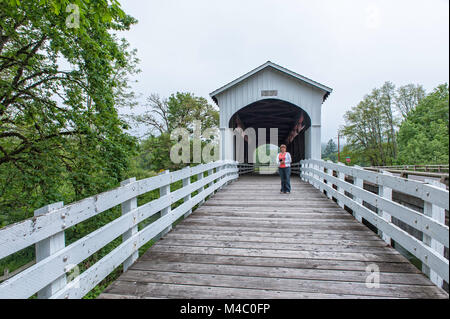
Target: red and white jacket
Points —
{"points": [[288, 160]]}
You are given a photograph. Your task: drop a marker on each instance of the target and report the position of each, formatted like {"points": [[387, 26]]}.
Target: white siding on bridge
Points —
{"points": [[291, 87], [303, 95]]}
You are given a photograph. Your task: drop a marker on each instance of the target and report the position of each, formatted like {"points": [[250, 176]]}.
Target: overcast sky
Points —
{"points": [[351, 46]]}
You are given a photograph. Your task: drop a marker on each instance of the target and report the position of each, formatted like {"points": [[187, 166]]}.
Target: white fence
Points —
{"points": [[431, 223], [46, 231], [270, 168], [246, 169]]}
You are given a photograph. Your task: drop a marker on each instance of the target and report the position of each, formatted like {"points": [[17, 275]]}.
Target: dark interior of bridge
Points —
{"points": [[290, 120]]}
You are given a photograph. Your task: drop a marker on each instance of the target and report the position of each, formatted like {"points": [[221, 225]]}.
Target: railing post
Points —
{"points": [[163, 191], [358, 182], [218, 169], [186, 183], [48, 247], [386, 193], [341, 176], [201, 189], [313, 175], [330, 184], [322, 180], [225, 167], [210, 172], [301, 172], [317, 177], [302, 165], [438, 214], [310, 174], [127, 207]]}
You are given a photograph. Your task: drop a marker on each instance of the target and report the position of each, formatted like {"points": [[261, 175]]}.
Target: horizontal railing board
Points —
{"points": [[30, 281], [425, 253], [21, 235], [418, 189], [91, 277], [18, 236], [411, 217], [413, 173]]}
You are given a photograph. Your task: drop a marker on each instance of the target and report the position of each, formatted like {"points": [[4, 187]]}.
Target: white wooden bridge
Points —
{"points": [[339, 233], [246, 240]]}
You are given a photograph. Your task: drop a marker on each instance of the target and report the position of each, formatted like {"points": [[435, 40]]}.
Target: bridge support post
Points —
{"points": [[48, 247], [186, 183], [127, 207], [358, 182], [163, 191], [386, 193], [438, 214]]}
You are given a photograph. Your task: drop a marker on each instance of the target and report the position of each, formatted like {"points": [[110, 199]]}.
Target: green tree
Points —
{"points": [[180, 110], [372, 126], [408, 97], [366, 131], [330, 151], [162, 117], [60, 86], [385, 98], [424, 135]]}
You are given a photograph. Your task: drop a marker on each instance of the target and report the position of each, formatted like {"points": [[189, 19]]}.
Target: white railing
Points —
{"points": [[443, 168], [246, 168], [431, 223], [46, 231], [296, 168], [270, 168]]}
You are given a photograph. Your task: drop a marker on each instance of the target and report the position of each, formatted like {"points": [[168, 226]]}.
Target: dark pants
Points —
{"points": [[285, 174]]}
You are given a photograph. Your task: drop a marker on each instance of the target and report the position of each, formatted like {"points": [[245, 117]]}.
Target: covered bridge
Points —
{"points": [[272, 97]]}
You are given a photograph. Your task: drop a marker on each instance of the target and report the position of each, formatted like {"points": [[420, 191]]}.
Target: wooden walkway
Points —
{"points": [[250, 241]]}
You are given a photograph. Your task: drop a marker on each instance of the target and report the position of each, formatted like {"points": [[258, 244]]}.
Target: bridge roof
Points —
{"points": [[269, 64]]}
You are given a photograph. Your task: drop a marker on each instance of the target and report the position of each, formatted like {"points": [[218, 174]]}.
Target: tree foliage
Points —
{"points": [[180, 110], [60, 134], [408, 97], [372, 126], [330, 151], [424, 135], [162, 117]]}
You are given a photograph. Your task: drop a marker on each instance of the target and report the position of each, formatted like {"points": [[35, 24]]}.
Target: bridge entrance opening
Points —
{"points": [[289, 121]]}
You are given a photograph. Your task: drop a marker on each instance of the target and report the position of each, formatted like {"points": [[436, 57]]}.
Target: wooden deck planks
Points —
{"points": [[249, 241]]}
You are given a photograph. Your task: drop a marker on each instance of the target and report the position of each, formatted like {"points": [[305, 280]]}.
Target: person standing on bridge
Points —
{"points": [[284, 161]]}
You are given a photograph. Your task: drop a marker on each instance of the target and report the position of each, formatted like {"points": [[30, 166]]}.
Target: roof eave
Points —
{"points": [[277, 67]]}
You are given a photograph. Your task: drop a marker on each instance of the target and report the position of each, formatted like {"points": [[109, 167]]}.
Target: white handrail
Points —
{"points": [[42, 229], [436, 234], [246, 168]]}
